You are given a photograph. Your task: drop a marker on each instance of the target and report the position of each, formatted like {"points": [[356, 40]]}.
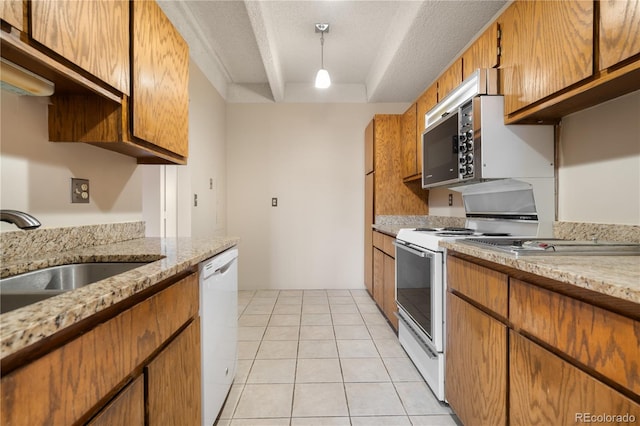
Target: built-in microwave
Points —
{"points": [[466, 140]]}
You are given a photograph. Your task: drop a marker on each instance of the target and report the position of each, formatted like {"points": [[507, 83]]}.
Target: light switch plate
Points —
{"points": [[79, 190]]}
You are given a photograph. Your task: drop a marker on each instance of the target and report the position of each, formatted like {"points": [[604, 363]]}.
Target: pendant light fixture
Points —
{"points": [[322, 77]]}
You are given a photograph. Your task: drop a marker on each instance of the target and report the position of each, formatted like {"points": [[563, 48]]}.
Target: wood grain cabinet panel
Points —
{"points": [[378, 277], [547, 46], [160, 80], [66, 383], [368, 232], [392, 196], [173, 381], [483, 53], [475, 364], [12, 12], [427, 100], [409, 143], [94, 35], [599, 339], [368, 147], [389, 306], [619, 31], [126, 409], [546, 390], [450, 79], [485, 286]]}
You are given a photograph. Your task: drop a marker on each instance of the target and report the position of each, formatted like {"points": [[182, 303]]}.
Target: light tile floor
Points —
{"points": [[323, 357]]}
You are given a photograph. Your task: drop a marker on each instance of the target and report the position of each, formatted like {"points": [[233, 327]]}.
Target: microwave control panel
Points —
{"points": [[466, 147]]}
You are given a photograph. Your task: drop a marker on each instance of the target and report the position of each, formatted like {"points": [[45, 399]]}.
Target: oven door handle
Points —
{"points": [[410, 248]]}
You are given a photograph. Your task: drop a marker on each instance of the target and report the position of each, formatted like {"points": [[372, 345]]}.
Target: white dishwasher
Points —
{"points": [[218, 330]]}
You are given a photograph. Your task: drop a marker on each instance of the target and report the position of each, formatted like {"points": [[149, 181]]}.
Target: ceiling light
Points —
{"points": [[323, 80], [18, 80]]}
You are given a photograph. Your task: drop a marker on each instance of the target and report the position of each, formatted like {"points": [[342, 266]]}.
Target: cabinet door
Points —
{"points": [[476, 365], [160, 80], [425, 102], [12, 11], [619, 31], [450, 79], [173, 381], [389, 304], [544, 389], [378, 277], [126, 409], [546, 46], [368, 232], [368, 147], [91, 34], [409, 145], [483, 53]]}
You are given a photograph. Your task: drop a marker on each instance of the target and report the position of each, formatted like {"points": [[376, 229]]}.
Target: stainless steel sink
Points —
{"points": [[25, 289]]}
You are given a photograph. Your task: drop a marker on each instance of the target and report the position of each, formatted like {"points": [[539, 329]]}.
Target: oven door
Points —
{"points": [[419, 291]]}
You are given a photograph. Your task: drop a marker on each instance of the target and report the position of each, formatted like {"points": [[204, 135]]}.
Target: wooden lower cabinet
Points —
{"points": [[475, 365], [173, 381], [540, 357], [378, 276], [384, 276], [389, 306], [126, 409], [546, 390], [87, 378]]}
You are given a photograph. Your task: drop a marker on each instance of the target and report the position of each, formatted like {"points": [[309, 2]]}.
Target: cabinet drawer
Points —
{"points": [[384, 243], [544, 389], [65, 384], [604, 341], [378, 240], [485, 286]]}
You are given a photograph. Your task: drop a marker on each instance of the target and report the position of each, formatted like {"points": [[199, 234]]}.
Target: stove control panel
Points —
{"points": [[466, 146]]}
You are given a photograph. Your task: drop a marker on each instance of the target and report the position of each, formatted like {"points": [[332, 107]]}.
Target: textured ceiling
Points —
{"points": [[375, 51]]}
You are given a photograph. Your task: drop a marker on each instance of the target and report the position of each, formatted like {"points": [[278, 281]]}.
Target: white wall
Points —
{"points": [[311, 157], [169, 208], [207, 156], [36, 174], [599, 163]]}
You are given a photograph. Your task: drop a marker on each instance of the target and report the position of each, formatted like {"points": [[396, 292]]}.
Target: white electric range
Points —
{"points": [[421, 288]]}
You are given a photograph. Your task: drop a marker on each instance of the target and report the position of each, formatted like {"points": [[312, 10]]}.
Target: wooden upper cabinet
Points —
{"points": [[450, 79], [409, 143], [547, 46], [619, 31], [425, 102], [483, 53], [392, 195], [160, 80], [93, 35], [12, 12], [368, 147]]}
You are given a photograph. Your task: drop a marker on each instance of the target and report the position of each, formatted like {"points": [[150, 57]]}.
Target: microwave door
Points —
{"points": [[440, 152]]}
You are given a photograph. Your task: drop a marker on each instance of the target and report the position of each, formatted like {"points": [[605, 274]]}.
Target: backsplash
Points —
{"points": [[424, 221], [599, 231], [26, 244]]}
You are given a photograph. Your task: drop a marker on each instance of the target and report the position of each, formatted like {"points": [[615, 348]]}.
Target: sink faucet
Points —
{"points": [[20, 219]]}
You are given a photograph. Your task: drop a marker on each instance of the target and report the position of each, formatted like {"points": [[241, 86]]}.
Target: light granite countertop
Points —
{"points": [[169, 256], [616, 276]]}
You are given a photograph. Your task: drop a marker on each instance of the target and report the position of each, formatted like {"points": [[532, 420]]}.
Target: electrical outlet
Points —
{"points": [[79, 190], [195, 200], [274, 202], [450, 199]]}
